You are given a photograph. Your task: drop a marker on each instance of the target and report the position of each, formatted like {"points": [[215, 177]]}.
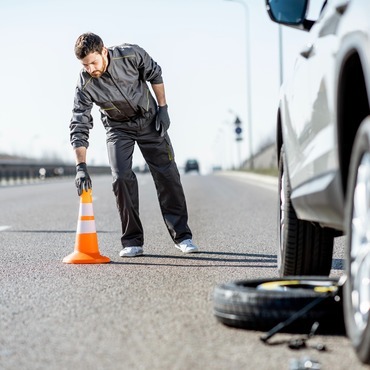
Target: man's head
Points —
{"points": [[90, 50]]}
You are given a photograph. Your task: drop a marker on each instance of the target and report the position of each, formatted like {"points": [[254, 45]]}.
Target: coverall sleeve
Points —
{"points": [[148, 68], [82, 121]]}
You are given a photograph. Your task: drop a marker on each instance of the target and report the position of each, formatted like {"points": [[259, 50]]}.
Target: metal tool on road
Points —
{"points": [[86, 245]]}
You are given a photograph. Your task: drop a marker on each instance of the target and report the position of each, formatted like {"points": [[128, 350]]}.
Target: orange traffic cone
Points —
{"points": [[86, 246]]}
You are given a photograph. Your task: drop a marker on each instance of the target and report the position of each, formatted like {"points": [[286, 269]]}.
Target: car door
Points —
{"points": [[315, 129]]}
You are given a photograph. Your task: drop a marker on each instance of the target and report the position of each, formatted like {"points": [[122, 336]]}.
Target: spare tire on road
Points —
{"points": [[265, 303]]}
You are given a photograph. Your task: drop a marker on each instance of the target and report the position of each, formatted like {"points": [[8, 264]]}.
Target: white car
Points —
{"points": [[323, 142]]}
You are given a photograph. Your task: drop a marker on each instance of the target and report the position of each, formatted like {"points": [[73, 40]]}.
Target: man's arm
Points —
{"points": [[162, 120], [80, 154], [81, 122], [159, 94], [80, 125]]}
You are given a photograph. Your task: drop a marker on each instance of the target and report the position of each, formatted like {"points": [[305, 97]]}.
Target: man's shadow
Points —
{"points": [[205, 259]]}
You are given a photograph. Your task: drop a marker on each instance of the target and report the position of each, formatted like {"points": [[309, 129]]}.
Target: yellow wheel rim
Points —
{"points": [[280, 285]]}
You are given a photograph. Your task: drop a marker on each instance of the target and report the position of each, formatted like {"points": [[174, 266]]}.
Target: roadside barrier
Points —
{"points": [[86, 245], [27, 172]]}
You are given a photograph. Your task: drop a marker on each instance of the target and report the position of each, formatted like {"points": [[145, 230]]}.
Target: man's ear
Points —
{"points": [[104, 51]]}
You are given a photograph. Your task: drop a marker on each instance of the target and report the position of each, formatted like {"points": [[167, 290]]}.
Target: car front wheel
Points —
{"points": [[357, 286], [304, 248]]}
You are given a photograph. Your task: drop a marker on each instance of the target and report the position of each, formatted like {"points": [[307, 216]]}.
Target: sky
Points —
{"points": [[199, 44]]}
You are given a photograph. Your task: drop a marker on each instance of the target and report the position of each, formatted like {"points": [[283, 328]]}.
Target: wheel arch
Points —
{"points": [[352, 107]]}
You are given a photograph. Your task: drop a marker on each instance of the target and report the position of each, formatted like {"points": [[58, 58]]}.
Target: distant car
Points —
{"points": [[323, 147], [191, 165], [141, 168]]}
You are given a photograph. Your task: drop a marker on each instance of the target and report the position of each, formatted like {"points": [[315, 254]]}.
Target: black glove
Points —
{"points": [[82, 179], [162, 122]]}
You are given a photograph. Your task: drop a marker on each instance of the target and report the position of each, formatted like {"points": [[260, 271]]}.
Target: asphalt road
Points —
{"points": [[149, 312]]}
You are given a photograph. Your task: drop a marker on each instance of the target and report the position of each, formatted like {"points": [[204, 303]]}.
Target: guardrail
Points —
{"points": [[12, 172]]}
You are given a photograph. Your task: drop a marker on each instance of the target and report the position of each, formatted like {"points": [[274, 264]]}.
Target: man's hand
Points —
{"points": [[163, 120], [82, 179]]}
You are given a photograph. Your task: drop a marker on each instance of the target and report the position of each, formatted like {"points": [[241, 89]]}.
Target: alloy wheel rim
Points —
{"points": [[360, 245]]}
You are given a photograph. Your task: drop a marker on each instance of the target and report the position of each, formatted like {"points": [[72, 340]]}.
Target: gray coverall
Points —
{"points": [[128, 111]]}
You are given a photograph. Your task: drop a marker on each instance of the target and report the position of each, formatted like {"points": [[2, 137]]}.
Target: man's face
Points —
{"points": [[95, 64]]}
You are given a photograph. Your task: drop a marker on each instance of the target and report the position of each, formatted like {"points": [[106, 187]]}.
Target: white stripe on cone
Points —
{"points": [[86, 209], [86, 227]]}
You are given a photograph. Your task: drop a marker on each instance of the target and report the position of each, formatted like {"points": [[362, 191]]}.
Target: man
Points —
{"points": [[115, 79]]}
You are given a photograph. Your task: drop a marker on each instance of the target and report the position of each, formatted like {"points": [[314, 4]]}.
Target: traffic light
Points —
{"points": [[238, 129]]}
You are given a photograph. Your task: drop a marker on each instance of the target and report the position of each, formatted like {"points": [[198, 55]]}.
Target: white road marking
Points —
{"points": [[2, 228]]}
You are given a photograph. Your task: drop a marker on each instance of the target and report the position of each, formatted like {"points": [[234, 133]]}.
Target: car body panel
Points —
{"points": [[312, 113]]}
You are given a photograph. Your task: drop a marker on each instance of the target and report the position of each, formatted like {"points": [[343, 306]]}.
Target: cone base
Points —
{"points": [[79, 257]]}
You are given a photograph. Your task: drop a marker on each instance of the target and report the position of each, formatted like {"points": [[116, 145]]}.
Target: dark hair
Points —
{"points": [[88, 43]]}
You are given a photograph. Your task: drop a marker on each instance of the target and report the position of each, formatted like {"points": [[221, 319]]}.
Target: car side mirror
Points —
{"points": [[289, 12]]}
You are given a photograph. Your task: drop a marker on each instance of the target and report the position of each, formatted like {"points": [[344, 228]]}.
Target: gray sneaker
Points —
{"points": [[131, 251], [187, 246]]}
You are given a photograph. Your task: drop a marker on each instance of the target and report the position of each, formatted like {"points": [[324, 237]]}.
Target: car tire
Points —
{"points": [[357, 286], [304, 248], [264, 303]]}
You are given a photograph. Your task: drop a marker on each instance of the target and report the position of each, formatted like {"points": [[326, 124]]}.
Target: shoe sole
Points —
{"points": [[131, 254], [187, 252]]}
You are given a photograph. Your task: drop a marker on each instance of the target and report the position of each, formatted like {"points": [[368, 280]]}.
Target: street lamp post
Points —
{"points": [[281, 71], [248, 74]]}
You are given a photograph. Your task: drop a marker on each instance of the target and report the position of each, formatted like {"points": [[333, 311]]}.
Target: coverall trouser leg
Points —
{"points": [[158, 153]]}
